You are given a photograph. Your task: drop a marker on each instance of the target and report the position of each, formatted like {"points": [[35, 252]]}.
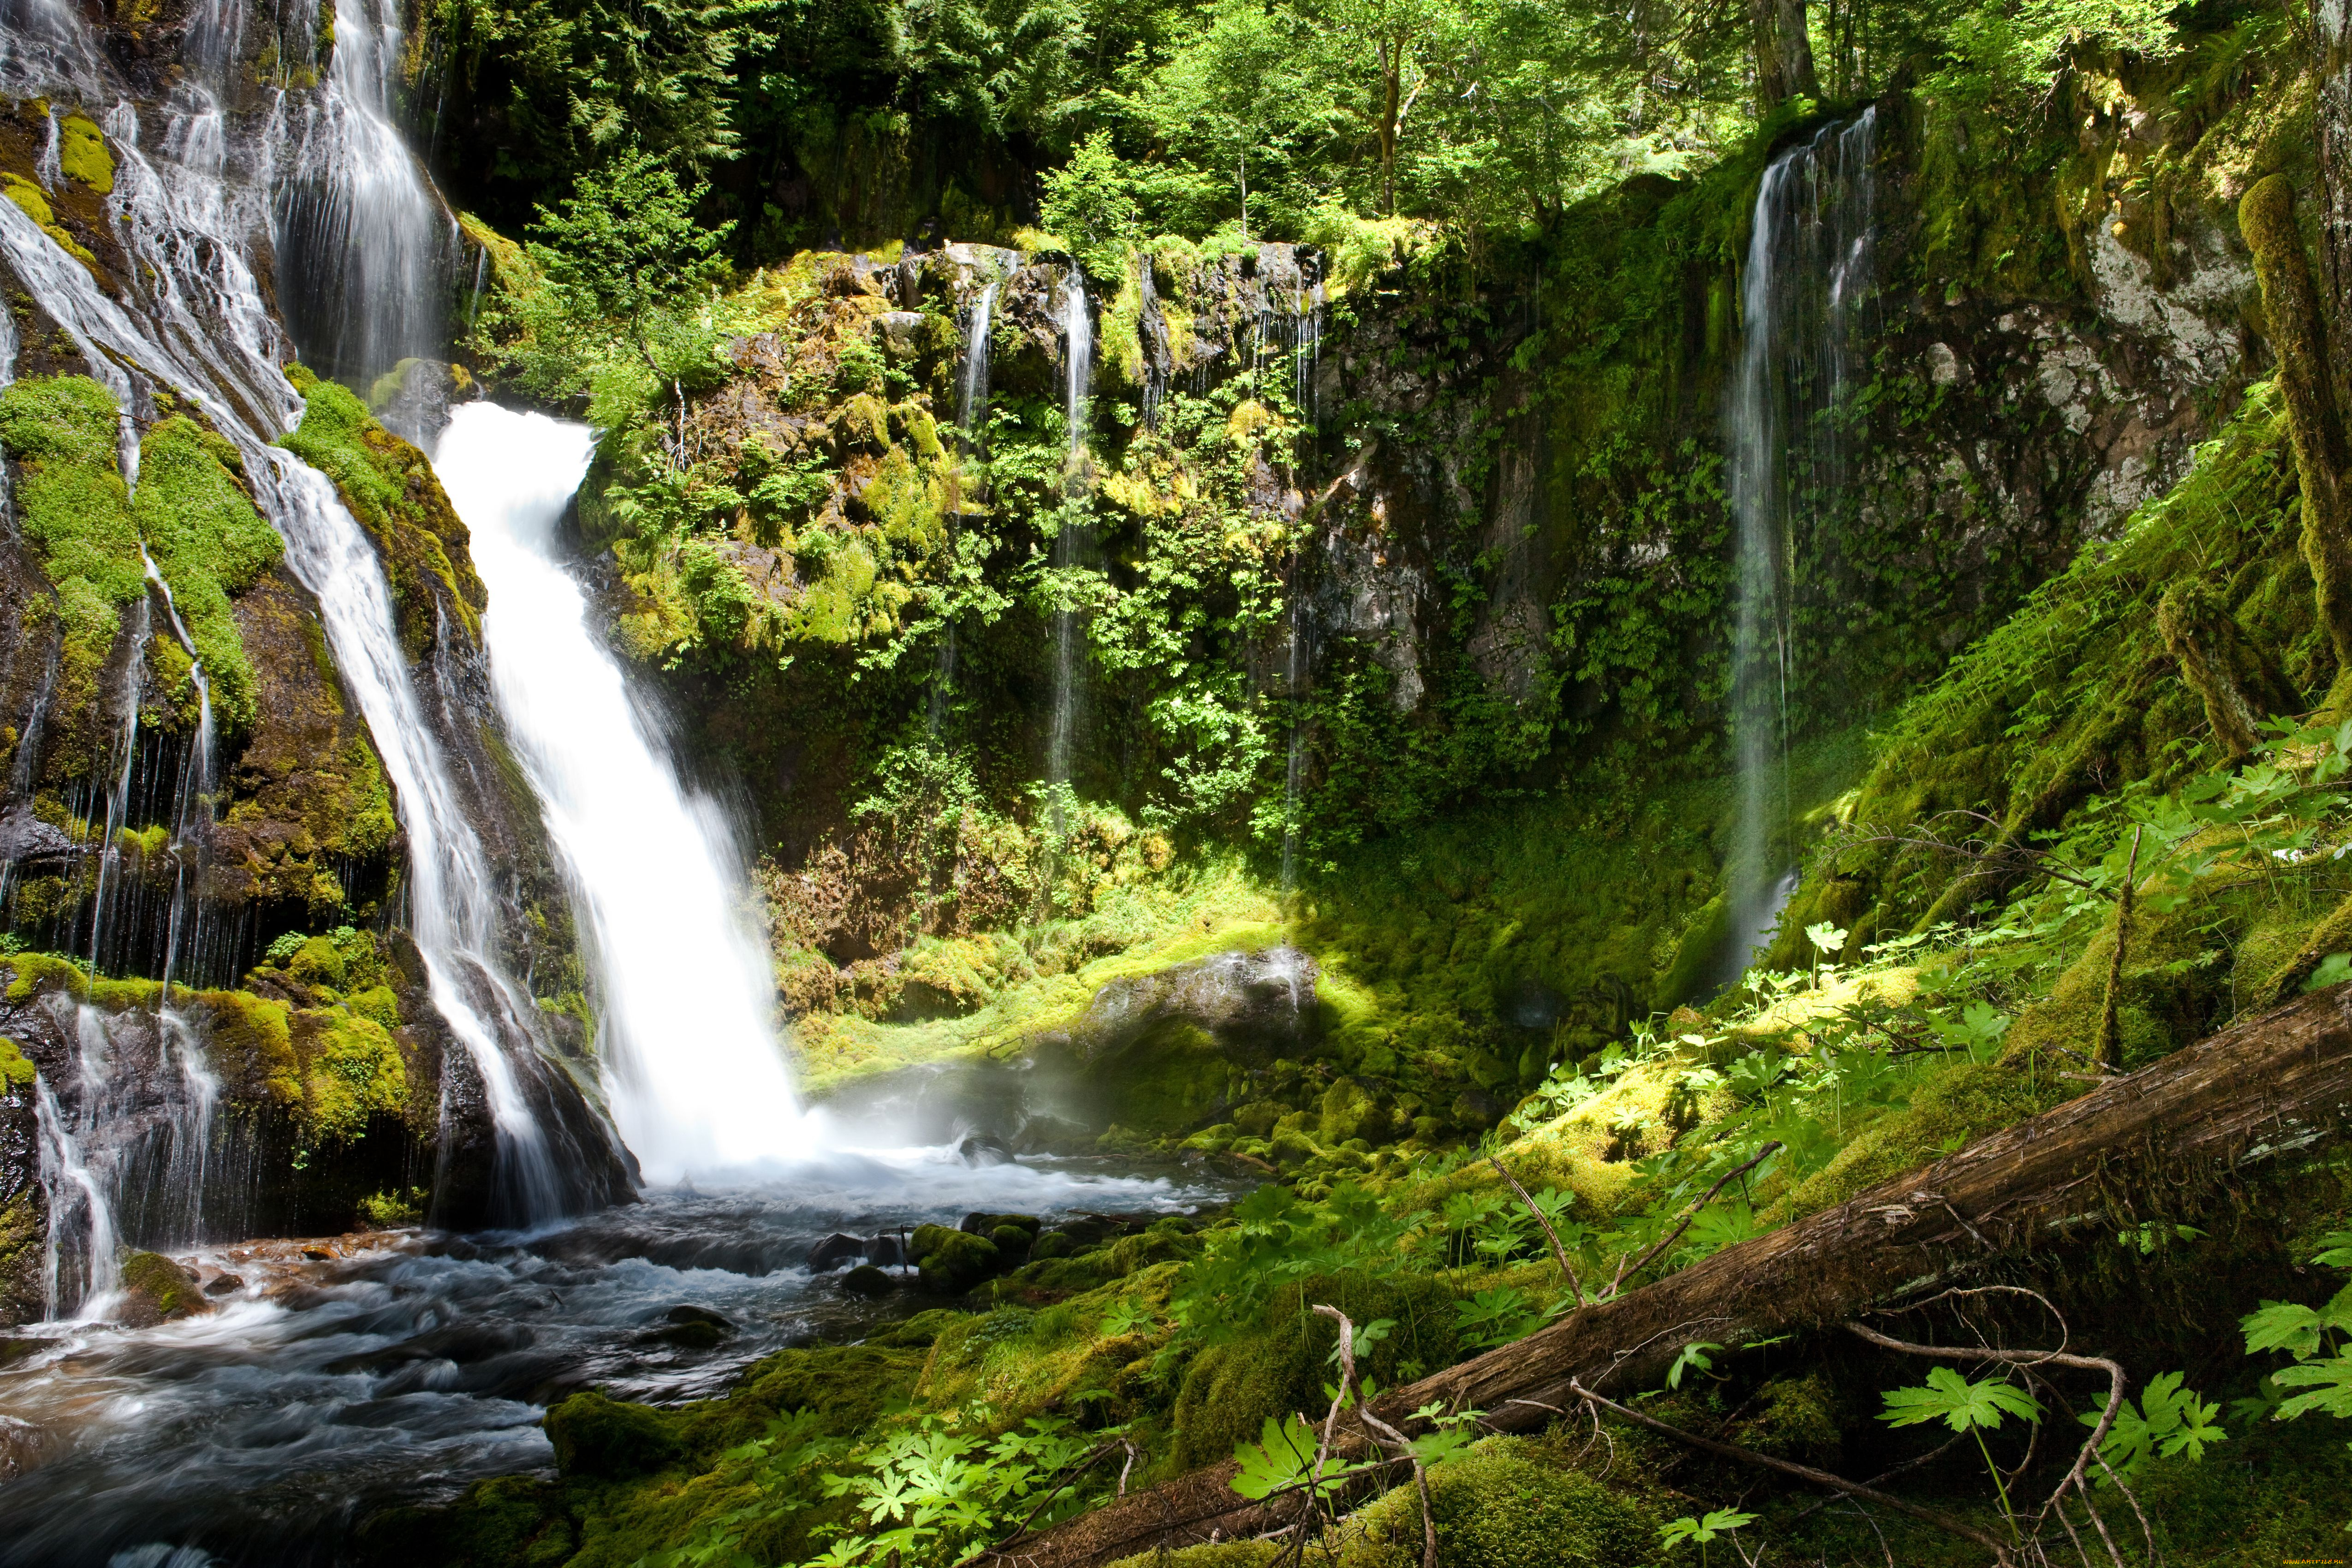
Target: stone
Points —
{"points": [[887, 1251], [984, 1149], [867, 1281], [834, 1252]]}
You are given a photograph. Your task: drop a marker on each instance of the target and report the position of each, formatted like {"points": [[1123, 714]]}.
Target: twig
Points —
{"points": [[1689, 1214], [1394, 1440], [1559, 1253], [1929, 1457], [2074, 1481], [1802, 1472]]}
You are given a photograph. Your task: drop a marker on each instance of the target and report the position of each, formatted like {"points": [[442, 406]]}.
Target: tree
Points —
{"points": [[1784, 52], [624, 245]]}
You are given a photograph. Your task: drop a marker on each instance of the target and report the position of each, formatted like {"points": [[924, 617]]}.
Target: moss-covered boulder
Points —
{"points": [[595, 1435], [156, 1289], [954, 1261], [1508, 1504]]}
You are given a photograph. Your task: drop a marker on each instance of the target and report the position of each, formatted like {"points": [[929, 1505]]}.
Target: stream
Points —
{"points": [[321, 1389]]}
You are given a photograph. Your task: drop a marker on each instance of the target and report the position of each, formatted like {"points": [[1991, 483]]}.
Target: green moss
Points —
{"points": [[71, 499], [162, 1285], [82, 153], [594, 1435], [208, 541], [391, 488], [16, 1074], [1279, 1365], [1506, 1504], [351, 1069], [35, 204]]}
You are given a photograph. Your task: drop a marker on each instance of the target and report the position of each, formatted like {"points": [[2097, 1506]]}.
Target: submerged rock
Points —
{"points": [[156, 1289], [835, 1251], [984, 1149]]}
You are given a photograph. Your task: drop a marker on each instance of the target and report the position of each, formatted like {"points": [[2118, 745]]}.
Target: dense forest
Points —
{"points": [[1214, 782]]}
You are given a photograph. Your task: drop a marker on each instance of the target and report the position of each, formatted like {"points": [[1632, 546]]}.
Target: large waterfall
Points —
{"points": [[1069, 626], [1805, 285], [695, 1073]]}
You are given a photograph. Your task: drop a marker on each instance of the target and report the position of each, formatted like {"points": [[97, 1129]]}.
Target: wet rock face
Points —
{"points": [[24, 1206]]}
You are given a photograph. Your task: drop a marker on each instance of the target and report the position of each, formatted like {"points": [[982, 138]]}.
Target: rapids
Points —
{"points": [[323, 1390]]}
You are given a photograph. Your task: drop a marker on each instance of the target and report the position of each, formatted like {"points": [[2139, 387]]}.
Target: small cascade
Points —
{"points": [[83, 1268], [695, 1073], [1294, 692], [363, 246], [1806, 283], [971, 375], [971, 415], [49, 168], [1069, 631]]}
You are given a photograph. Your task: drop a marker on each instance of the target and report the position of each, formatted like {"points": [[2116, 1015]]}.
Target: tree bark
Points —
{"points": [[2298, 335], [2332, 30], [2278, 1082], [1784, 52]]}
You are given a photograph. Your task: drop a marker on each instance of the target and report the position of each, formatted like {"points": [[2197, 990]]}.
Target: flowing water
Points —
{"points": [[333, 1379], [322, 1391], [1069, 627], [695, 1073], [1804, 290]]}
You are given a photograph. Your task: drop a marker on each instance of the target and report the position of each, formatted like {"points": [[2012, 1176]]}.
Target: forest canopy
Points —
{"points": [[857, 121]]}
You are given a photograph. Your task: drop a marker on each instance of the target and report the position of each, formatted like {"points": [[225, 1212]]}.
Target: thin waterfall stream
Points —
{"points": [[1805, 285], [1069, 626]]}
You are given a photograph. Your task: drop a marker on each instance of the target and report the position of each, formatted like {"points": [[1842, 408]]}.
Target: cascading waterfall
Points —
{"points": [[972, 376], [1806, 283], [971, 413], [363, 248], [1069, 632], [232, 377], [695, 1073]]}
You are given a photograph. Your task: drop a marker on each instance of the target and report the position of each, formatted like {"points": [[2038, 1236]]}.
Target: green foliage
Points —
{"points": [[2168, 1422], [1088, 203], [1717, 1523], [625, 246], [1284, 1457], [208, 542]]}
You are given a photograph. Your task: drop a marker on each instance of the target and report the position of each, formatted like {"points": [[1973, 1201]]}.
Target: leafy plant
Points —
{"points": [[1495, 1316], [1973, 1408], [1717, 1523], [2167, 1421]]}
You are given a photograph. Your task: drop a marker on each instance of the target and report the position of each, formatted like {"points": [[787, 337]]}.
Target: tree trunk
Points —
{"points": [[2298, 335], [2332, 27], [2238, 683], [2278, 1081], [1784, 52], [1391, 96]]}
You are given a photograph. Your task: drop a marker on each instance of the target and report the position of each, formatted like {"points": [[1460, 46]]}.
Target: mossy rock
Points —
{"points": [[594, 1435], [954, 1261], [393, 493], [1500, 1506], [156, 1289]]}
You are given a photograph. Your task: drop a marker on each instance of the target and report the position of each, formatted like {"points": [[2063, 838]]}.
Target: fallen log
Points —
{"points": [[2274, 1085]]}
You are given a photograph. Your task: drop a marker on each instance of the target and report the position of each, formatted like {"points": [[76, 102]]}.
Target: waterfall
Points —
{"points": [[362, 245], [1294, 691], [971, 413], [452, 908], [695, 1073], [1070, 634], [1805, 285], [971, 378]]}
